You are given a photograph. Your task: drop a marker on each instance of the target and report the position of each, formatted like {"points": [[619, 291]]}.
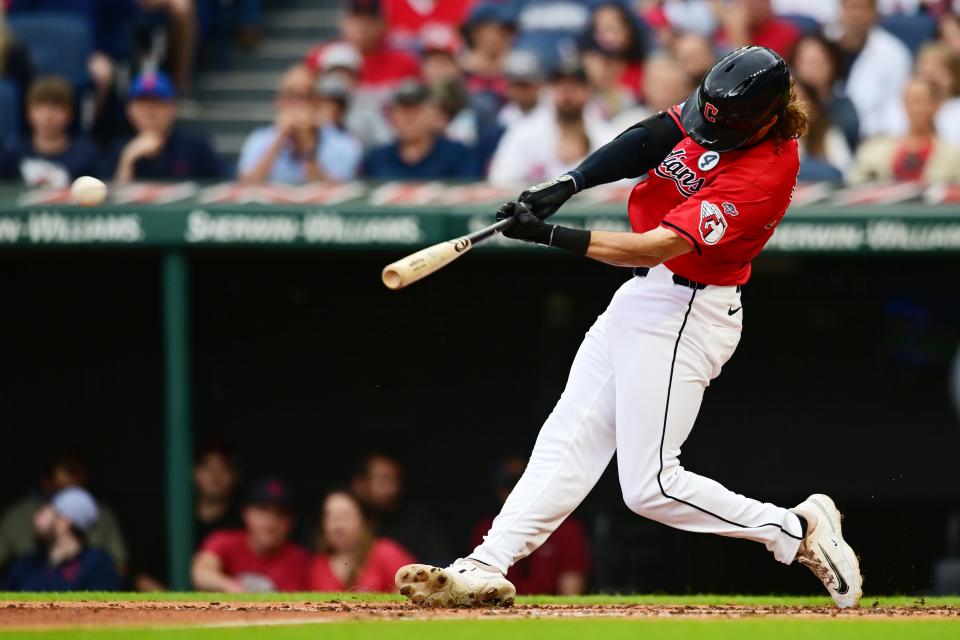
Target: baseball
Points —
{"points": [[88, 192]]}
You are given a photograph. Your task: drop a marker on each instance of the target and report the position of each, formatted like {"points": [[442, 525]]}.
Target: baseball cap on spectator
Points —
{"points": [[333, 87], [76, 505], [523, 66], [411, 92], [440, 39], [154, 85], [340, 55], [270, 492], [569, 69], [365, 7], [490, 12]]}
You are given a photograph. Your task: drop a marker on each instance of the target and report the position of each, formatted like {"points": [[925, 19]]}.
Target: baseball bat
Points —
{"points": [[419, 265]]}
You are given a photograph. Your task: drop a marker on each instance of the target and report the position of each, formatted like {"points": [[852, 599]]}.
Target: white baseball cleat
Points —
{"points": [[825, 552], [463, 584]]}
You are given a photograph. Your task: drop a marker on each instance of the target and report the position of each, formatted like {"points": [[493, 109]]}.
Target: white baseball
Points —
{"points": [[88, 192]]}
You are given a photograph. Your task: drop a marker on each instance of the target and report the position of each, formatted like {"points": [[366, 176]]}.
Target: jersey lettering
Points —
{"points": [[687, 180]]}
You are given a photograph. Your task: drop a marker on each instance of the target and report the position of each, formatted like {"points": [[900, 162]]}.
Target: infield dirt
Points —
{"points": [[53, 615]]}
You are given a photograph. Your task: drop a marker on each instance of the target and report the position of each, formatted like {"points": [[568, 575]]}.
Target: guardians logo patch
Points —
{"points": [[687, 180]]}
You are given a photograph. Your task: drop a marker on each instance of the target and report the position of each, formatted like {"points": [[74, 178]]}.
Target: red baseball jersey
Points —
{"points": [[726, 205]]}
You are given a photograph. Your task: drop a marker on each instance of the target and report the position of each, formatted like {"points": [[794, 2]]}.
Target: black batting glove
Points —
{"points": [[527, 227], [547, 197]]}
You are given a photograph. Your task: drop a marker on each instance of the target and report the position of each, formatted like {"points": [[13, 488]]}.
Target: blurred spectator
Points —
{"points": [[488, 34], [259, 557], [409, 20], [937, 64], [817, 62], [747, 22], [670, 18], [64, 559], [536, 149], [50, 158], [364, 118], [182, 36], [875, 64], [695, 54], [823, 11], [15, 65], [665, 84], [920, 155], [363, 27], [160, 150], [349, 556], [604, 68], [824, 153], [950, 32], [552, 27], [215, 480], [421, 152], [524, 87], [379, 484], [561, 565], [299, 147], [614, 30], [63, 470]]}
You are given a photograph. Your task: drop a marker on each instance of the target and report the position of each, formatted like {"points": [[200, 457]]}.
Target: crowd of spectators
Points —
{"points": [[250, 536], [508, 91]]}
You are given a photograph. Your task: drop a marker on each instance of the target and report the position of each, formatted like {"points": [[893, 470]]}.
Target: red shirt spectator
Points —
{"points": [[282, 570], [407, 19], [363, 27], [381, 67], [776, 34], [565, 552], [350, 557], [375, 575], [259, 557], [745, 22]]}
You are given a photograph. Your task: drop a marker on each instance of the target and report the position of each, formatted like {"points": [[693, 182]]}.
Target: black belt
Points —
{"points": [[641, 272]]}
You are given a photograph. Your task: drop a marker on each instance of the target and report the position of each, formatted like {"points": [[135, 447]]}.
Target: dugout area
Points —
{"points": [[303, 362]]}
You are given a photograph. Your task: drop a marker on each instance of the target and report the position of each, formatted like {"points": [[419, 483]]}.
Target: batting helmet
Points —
{"points": [[736, 98]]}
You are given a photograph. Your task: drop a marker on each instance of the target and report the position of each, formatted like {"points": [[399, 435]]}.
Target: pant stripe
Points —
{"points": [[666, 413]]}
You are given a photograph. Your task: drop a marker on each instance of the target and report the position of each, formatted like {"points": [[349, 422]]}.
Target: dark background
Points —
{"points": [[304, 362]]}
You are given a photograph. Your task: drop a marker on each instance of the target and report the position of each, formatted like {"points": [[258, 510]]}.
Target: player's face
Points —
{"points": [[152, 116], [343, 525], [267, 527], [813, 64], [48, 119]]}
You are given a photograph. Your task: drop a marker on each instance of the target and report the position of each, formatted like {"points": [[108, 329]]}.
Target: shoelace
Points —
{"points": [[809, 559]]}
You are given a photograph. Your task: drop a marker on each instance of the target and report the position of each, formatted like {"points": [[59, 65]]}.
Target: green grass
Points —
{"points": [[794, 601], [549, 629], [746, 628]]}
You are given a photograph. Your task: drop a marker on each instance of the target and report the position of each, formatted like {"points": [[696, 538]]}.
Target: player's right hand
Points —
{"points": [[547, 197]]}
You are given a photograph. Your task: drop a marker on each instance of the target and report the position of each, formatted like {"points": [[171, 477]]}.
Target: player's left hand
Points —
{"points": [[527, 227], [547, 197]]}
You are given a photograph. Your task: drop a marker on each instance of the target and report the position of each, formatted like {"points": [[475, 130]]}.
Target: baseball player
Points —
{"points": [[719, 174]]}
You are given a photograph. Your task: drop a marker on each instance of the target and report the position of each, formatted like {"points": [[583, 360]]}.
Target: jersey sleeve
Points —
{"points": [[728, 210]]}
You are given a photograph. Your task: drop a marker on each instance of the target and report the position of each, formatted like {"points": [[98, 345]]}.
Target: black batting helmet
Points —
{"points": [[736, 98]]}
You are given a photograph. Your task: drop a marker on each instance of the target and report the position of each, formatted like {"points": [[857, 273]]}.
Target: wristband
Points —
{"points": [[572, 240]]}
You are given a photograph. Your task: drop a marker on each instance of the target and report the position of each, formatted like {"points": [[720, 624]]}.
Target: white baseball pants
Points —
{"points": [[635, 387]]}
